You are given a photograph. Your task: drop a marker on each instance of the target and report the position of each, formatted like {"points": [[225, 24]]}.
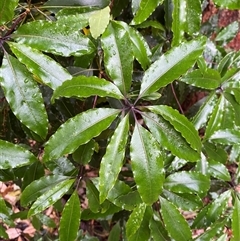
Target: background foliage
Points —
{"points": [[99, 121]]}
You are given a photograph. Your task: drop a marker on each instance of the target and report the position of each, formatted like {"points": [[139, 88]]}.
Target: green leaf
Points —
{"points": [[78, 3], [82, 86], [70, 220], [236, 220], [93, 197], [210, 79], [229, 32], [187, 182], [175, 223], [158, 231], [171, 66], [147, 164], [180, 123], [53, 38], [3, 233], [115, 232], [226, 63], [23, 95], [179, 20], [77, 131], [5, 213], [39, 187], [218, 170], [50, 197], [46, 69], [7, 10], [169, 138], [145, 10], [226, 137], [112, 161], [118, 62], [98, 21], [12, 156]]}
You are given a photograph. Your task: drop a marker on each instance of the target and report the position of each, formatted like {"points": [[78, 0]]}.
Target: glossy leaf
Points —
{"points": [[70, 219], [5, 213], [147, 164], [112, 161], [98, 21], [145, 10], [78, 3], [218, 170], [169, 138], [175, 223], [118, 61], [229, 32], [170, 66], [187, 182], [23, 95], [82, 86], [77, 131], [46, 69], [236, 220], [158, 231], [12, 156], [50, 197], [7, 10], [210, 79], [38, 187], [53, 38], [226, 137], [180, 123], [93, 197]]}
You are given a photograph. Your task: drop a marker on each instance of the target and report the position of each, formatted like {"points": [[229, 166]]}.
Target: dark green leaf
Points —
{"points": [[171, 66], [147, 164], [82, 86], [93, 197], [61, 3], [187, 182], [7, 10], [70, 220], [228, 32], [23, 95], [236, 220], [3, 233], [215, 152], [77, 131], [5, 213], [175, 223], [12, 156], [158, 231], [218, 170], [115, 233]]}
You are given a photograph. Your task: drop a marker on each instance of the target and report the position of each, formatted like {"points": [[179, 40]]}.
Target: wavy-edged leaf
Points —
{"points": [[169, 138], [98, 21], [226, 137], [50, 197], [175, 223], [227, 62], [7, 10], [38, 187], [118, 62], [171, 66], [236, 220], [82, 86], [46, 69], [180, 123], [228, 32], [23, 95], [145, 9], [77, 131], [209, 79], [187, 182], [158, 231], [70, 219], [12, 156], [112, 161], [215, 152], [147, 164], [218, 170], [53, 38], [178, 21]]}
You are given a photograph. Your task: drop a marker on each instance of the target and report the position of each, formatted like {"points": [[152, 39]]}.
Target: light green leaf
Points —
{"points": [[226, 137], [50, 197], [46, 69], [7, 10], [158, 231], [23, 95], [180, 123], [169, 138], [77, 131], [218, 170], [118, 62], [112, 161], [82, 86], [236, 220], [209, 79], [147, 164], [53, 38], [145, 9], [171, 66], [12, 156], [70, 219], [3, 233], [229, 32], [187, 182], [98, 21], [38, 187], [175, 223]]}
